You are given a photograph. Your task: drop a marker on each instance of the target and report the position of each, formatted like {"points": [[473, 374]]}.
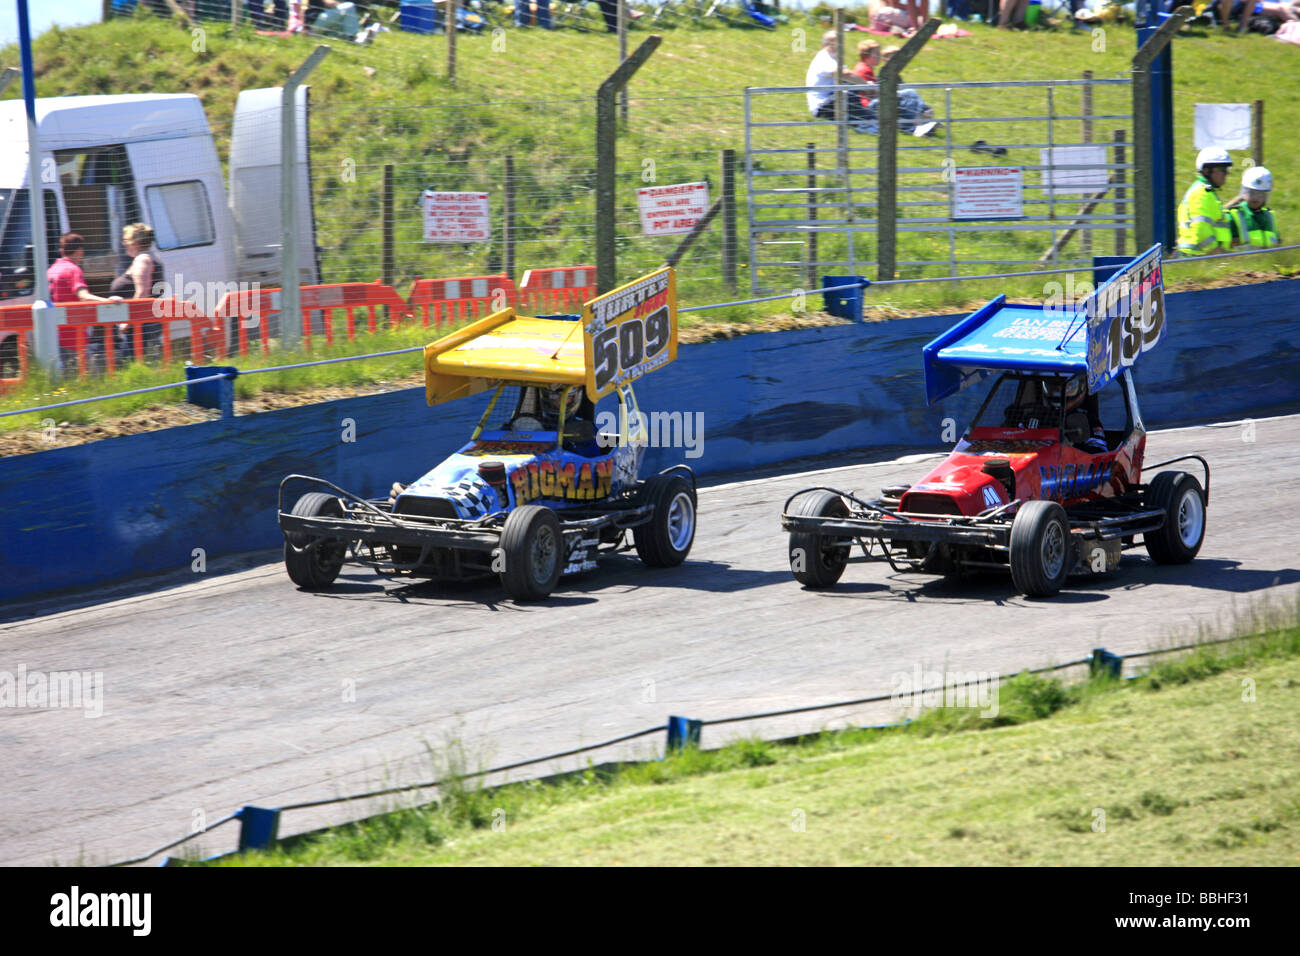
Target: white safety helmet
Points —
{"points": [[1257, 178], [1213, 156]]}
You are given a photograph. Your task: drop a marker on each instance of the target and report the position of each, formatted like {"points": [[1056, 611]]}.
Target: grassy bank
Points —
{"points": [[1194, 763], [530, 94]]}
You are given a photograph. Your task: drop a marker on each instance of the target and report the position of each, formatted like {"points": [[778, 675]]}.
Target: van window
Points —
{"points": [[99, 195], [181, 215], [16, 217]]}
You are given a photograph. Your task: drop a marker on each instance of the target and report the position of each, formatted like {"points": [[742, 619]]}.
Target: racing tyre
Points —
{"points": [[665, 540], [313, 562], [1041, 551], [532, 545], [1180, 497], [818, 560]]}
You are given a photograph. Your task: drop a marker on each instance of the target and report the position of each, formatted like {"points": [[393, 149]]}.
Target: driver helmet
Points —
{"points": [[1076, 390], [554, 395]]}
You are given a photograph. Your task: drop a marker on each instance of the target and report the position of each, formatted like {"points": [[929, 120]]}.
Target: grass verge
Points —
{"points": [[1193, 763]]}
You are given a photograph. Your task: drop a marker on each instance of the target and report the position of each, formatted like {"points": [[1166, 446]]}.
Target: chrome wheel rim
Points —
{"points": [[1053, 550], [1191, 518], [681, 521]]}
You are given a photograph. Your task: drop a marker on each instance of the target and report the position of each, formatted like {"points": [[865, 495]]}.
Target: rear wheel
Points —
{"points": [[532, 546], [1040, 548], [314, 561], [665, 540], [818, 560], [1180, 497]]}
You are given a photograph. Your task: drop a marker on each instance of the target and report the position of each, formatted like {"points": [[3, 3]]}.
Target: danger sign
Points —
{"points": [[666, 210], [988, 192], [456, 217]]}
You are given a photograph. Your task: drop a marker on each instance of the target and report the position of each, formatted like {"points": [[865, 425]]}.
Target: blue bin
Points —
{"points": [[844, 303], [209, 394], [417, 17]]}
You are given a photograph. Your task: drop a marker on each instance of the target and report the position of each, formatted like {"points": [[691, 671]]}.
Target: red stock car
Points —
{"points": [[1024, 489]]}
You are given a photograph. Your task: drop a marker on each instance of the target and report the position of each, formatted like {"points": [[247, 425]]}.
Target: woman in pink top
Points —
{"points": [[68, 285]]}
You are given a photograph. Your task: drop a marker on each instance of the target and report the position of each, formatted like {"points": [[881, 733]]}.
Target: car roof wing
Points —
{"points": [[619, 337], [1104, 334]]}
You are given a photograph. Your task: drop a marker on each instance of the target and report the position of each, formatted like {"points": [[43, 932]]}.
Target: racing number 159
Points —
{"points": [[628, 344]]}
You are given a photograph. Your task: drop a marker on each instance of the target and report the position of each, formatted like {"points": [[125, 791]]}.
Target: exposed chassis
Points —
{"points": [[373, 533], [1108, 519]]}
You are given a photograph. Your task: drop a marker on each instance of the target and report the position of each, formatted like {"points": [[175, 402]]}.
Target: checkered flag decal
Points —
{"points": [[469, 496]]}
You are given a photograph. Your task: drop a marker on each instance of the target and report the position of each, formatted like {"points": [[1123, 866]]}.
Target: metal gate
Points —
{"points": [[811, 185]]}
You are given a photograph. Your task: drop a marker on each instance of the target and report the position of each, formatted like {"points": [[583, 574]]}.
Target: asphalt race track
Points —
{"points": [[225, 689]]}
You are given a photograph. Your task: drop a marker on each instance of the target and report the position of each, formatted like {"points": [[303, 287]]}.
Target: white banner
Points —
{"points": [[988, 192], [456, 217], [666, 210], [1060, 182], [1223, 124]]}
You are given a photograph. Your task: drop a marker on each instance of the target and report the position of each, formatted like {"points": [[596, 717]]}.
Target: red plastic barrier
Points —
{"points": [[252, 309], [18, 320], [564, 289], [132, 315], [436, 301]]}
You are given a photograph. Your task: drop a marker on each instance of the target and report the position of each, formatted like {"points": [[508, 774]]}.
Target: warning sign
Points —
{"points": [[456, 217], [666, 210], [988, 192]]}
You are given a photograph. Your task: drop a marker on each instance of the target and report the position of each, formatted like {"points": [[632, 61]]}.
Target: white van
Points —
{"points": [[108, 161]]}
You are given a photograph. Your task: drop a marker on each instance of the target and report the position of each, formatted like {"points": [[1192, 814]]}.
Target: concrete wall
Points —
{"points": [[92, 513]]}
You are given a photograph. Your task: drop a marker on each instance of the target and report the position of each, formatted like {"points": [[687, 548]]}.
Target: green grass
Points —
{"points": [[531, 94], [1193, 764]]}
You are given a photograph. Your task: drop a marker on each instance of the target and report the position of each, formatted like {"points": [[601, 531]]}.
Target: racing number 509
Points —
{"points": [[626, 345]]}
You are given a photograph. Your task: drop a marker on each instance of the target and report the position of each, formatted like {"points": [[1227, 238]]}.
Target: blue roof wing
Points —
{"points": [[1110, 328]]}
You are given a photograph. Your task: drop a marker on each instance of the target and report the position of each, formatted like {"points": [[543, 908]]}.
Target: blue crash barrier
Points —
{"points": [[79, 516]]}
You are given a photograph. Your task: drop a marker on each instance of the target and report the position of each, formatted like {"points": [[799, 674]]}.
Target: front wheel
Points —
{"points": [[1179, 496], [818, 560], [1040, 548], [665, 540], [314, 561], [532, 547]]}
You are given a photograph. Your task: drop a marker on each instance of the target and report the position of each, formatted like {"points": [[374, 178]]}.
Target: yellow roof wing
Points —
{"points": [[504, 347], [621, 336]]}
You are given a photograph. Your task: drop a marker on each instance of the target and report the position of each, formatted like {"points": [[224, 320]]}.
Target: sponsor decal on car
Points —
{"points": [[567, 481], [1072, 481]]}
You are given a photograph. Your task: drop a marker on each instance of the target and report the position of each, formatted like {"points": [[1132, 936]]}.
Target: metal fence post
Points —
{"points": [[812, 215], [1085, 238], [622, 55], [508, 227], [887, 158], [729, 218], [1256, 130], [606, 138], [1121, 194], [291, 322], [1145, 110], [450, 27], [387, 268]]}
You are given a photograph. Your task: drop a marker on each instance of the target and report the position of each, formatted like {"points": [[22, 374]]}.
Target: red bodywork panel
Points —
{"points": [[1043, 467]]}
